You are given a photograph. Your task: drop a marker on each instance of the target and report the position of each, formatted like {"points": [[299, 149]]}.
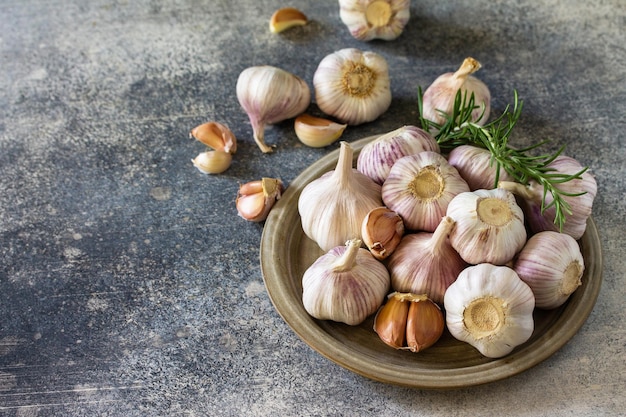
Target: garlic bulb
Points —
{"points": [[332, 207], [477, 167], [345, 285], [216, 136], [425, 263], [490, 308], [382, 230], [581, 205], [212, 162], [352, 86], [440, 95], [489, 226], [375, 19], [317, 132], [377, 157], [419, 188], [255, 199], [270, 95], [552, 265]]}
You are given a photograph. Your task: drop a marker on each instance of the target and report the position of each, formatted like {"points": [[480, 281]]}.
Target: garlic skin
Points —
{"points": [[377, 157], [426, 263], [317, 132], [345, 285], [552, 265], [353, 86], [332, 207], [490, 308], [419, 188], [375, 19], [212, 162], [270, 95], [255, 199], [382, 231], [582, 205], [439, 96], [216, 136], [489, 226], [475, 166]]}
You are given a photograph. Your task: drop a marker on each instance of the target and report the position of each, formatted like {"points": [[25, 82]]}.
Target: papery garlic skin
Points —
{"points": [[377, 157], [375, 19], [255, 199], [476, 167], [440, 95], [426, 263], [353, 86], [332, 207], [270, 95], [490, 308], [552, 265], [489, 226], [345, 285], [419, 188]]}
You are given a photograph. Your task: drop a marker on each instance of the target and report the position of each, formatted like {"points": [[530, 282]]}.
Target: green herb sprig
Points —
{"points": [[459, 129]]}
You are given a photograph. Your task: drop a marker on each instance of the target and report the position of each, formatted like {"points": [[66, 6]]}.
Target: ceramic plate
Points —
{"points": [[286, 253]]}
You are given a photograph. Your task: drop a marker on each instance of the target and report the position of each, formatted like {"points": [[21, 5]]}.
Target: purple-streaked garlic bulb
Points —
{"points": [[476, 167]]}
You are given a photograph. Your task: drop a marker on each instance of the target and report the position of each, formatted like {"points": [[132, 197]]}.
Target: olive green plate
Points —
{"points": [[286, 253]]}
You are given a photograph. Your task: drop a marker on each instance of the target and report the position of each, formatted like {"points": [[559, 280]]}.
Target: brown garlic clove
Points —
{"points": [[424, 325], [212, 162], [382, 231], [286, 18], [255, 199], [215, 136], [317, 132]]}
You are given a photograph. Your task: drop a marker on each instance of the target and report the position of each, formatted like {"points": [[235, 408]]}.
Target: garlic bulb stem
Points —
{"points": [[347, 261]]}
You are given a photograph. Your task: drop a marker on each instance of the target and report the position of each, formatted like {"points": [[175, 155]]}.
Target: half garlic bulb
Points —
{"points": [[375, 19], [353, 86], [490, 308]]}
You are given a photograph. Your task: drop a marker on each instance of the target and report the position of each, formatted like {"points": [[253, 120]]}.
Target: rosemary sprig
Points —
{"points": [[459, 129]]}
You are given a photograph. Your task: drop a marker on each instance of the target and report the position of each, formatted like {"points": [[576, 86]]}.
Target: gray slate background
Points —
{"points": [[129, 286]]}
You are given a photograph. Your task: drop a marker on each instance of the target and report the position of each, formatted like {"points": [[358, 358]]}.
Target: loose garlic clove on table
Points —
{"points": [[286, 18]]}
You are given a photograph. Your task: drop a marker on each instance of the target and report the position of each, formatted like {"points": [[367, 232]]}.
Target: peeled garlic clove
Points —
{"points": [[477, 167], [212, 162], [353, 86], [489, 226], [490, 308], [419, 188], [390, 321], [255, 199], [286, 18], [317, 132], [345, 285], [424, 325], [440, 95], [377, 157], [382, 230], [270, 95], [216, 136], [375, 19], [552, 265]]}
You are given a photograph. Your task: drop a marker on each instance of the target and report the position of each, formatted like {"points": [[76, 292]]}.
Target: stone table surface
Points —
{"points": [[128, 284]]}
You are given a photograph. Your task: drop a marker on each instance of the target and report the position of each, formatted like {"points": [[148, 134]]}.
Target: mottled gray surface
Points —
{"points": [[129, 286]]}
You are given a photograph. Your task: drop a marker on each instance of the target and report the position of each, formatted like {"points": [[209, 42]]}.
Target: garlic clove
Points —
{"points": [[382, 230], [286, 18], [390, 321], [212, 162], [317, 132], [424, 325], [216, 136], [375, 19], [255, 199]]}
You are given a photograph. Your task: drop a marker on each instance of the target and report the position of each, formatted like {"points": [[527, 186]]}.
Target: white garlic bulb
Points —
{"points": [[552, 265], [489, 226], [490, 308], [332, 207], [477, 167], [440, 95], [345, 285], [270, 95], [353, 86], [375, 19], [419, 188], [377, 157], [426, 263]]}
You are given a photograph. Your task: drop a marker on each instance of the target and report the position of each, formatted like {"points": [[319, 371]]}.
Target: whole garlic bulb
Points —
{"points": [[552, 265], [581, 205], [440, 95], [353, 86], [332, 207], [377, 157], [270, 95], [477, 167], [426, 263], [489, 226], [419, 188], [375, 19], [345, 285]]}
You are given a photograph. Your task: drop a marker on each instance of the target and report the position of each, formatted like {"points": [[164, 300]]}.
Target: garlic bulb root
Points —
{"points": [[375, 19], [255, 199]]}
